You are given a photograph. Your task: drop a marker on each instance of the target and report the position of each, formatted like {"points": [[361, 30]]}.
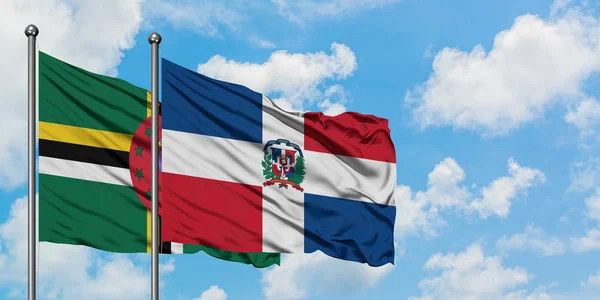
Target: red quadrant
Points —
{"points": [[349, 134], [213, 213]]}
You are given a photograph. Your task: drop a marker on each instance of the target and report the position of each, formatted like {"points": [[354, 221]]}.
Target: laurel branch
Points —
{"points": [[266, 163]]}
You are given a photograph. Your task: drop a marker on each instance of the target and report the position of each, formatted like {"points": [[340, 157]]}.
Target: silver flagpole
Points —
{"points": [[154, 40], [31, 32]]}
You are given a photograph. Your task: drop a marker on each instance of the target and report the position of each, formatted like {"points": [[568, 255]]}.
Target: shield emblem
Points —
{"points": [[283, 164]]}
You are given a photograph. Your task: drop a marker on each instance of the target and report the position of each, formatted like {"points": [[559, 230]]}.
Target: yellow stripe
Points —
{"points": [[148, 104], [148, 212], [85, 136]]}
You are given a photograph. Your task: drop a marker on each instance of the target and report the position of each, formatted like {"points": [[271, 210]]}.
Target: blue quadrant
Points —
{"points": [[194, 103], [349, 230]]}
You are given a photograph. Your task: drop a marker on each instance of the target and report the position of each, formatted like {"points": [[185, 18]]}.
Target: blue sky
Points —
{"points": [[493, 112]]}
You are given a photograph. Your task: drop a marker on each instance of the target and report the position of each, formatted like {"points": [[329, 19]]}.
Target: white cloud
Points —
{"points": [[524, 295], [335, 97], [331, 109], [303, 274], [589, 242], [415, 214], [593, 206], [471, 275], [420, 212], [585, 116], [585, 174], [295, 77], [593, 282], [164, 269], [117, 278], [261, 42], [167, 267], [496, 92], [213, 293], [70, 30], [66, 271], [204, 17], [301, 11], [443, 185], [428, 51], [559, 6], [496, 196], [532, 239], [588, 291], [213, 18]]}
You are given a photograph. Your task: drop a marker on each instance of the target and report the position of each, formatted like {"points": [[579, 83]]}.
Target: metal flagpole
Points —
{"points": [[154, 39], [31, 32]]}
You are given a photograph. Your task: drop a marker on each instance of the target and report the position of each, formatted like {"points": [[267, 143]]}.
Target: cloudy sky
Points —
{"points": [[494, 112]]}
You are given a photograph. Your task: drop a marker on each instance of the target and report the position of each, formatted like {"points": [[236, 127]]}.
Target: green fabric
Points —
{"points": [[72, 96], [80, 212], [259, 260]]}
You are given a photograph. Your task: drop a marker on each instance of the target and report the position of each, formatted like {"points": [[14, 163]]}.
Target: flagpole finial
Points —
{"points": [[154, 38], [32, 30]]}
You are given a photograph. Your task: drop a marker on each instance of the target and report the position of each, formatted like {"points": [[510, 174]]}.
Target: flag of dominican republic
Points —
{"points": [[240, 174]]}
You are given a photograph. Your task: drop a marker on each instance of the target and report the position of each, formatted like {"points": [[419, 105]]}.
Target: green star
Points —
{"points": [[139, 174], [148, 131], [149, 195], [138, 151]]}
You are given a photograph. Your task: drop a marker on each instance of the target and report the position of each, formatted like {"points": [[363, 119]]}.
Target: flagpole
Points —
{"points": [[31, 32], [154, 39]]}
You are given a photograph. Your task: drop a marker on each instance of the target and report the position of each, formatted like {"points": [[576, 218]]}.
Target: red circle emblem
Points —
{"points": [[140, 161]]}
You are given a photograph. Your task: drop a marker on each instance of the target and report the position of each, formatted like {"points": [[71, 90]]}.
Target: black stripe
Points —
{"points": [[100, 156], [166, 248]]}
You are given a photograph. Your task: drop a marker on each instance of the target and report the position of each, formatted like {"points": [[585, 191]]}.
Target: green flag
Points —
{"points": [[94, 163]]}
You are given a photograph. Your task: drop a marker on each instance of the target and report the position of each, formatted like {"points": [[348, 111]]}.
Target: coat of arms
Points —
{"points": [[283, 164]]}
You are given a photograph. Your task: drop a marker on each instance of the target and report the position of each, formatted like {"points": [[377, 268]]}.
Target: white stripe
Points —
{"points": [[84, 171], [283, 209], [212, 157], [350, 178], [176, 248]]}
